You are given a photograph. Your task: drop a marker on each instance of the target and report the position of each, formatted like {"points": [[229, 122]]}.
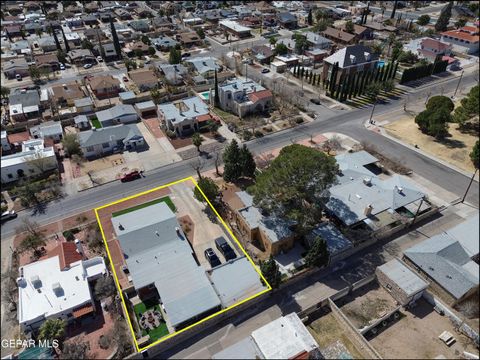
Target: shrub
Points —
{"points": [[103, 342], [439, 101], [247, 135], [171, 134], [258, 134], [68, 235], [267, 129], [299, 120]]}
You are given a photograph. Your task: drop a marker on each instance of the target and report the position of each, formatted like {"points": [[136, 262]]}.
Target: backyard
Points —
{"points": [[165, 199], [96, 123], [149, 305]]}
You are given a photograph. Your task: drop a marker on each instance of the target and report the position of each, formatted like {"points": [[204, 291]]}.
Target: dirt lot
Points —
{"points": [[454, 150], [369, 303], [97, 165], [327, 331], [416, 336]]}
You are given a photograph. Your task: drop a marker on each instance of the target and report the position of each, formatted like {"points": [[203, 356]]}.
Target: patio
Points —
{"points": [[150, 319]]}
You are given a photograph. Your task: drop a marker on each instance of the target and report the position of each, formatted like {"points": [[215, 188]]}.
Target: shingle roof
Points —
{"points": [[103, 135], [103, 81], [445, 260], [335, 240], [352, 55], [115, 112], [204, 64], [403, 277], [338, 34], [28, 98]]}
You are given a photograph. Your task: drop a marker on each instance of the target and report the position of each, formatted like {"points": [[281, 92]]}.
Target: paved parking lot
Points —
{"points": [[205, 230]]}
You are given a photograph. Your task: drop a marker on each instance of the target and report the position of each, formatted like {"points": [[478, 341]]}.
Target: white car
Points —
{"points": [[87, 66], [99, 59]]}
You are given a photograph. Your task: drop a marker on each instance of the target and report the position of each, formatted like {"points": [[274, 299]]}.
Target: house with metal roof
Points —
{"points": [[204, 66], [118, 114], [173, 73], [401, 282], [105, 141], [185, 116], [234, 28], [16, 67], [337, 243], [164, 43], [161, 264], [287, 20], [317, 41], [244, 97], [48, 130], [447, 260]]}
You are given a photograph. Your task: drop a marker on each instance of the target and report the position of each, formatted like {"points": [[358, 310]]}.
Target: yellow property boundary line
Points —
{"points": [[118, 283]]}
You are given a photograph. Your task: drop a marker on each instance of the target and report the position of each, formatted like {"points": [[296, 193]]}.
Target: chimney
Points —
{"points": [[368, 210], [78, 244], [177, 229], [194, 107]]}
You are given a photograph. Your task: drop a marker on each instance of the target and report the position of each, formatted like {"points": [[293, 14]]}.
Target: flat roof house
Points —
{"points": [[161, 264], [19, 165], [46, 290], [105, 141], [185, 116], [465, 39], [401, 282], [450, 260], [24, 105], [283, 338], [48, 130], [243, 97], [235, 28]]}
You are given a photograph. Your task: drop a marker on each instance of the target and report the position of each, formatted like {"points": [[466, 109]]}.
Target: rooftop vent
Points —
{"points": [[120, 227], [368, 210], [358, 196], [353, 59], [157, 233], [367, 181], [36, 282], [57, 288], [367, 55]]}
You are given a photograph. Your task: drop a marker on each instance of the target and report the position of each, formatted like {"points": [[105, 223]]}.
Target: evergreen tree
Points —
{"points": [[362, 83], [392, 15], [475, 155], [67, 47], [310, 18], [209, 188], [394, 72], [314, 80], [270, 272], [217, 96], [352, 85], [57, 43], [231, 158], [444, 18], [378, 72], [357, 83], [247, 163], [311, 77], [319, 79], [100, 45], [367, 11], [385, 73], [116, 42], [340, 86], [317, 254], [302, 71]]}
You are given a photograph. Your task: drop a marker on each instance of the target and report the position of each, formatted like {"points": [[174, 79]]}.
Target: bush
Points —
{"points": [[299, 120], [267, 129], [171, 134], [68, 235], [103, 342], [247, 135], [439, 101], [258, 134]]}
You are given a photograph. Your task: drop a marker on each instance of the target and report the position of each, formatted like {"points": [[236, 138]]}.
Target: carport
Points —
{"points": [[146, 109]]}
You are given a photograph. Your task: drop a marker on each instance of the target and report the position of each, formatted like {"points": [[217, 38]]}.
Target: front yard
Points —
{"points": [[165, 199]]}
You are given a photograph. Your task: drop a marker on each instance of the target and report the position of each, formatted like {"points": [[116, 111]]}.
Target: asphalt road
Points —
{"points": [[349, 123]]}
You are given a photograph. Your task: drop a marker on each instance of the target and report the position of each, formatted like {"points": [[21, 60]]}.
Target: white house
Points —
{"points": [[48, 291], [19, 165], [5, 144], [119, 114], [465, 39]]}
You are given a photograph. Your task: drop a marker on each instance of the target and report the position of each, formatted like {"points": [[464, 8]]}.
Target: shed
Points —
{"points": [[146, 108]]}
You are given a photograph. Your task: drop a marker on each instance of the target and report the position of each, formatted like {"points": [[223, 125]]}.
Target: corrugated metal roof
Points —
{"points": [[156, 254], [103, 135], [335, 240], [115, 112], [244, 349], [467, 233]]}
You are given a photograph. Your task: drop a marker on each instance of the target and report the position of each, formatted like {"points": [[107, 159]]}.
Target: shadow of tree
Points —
{"points": [[451, 143]]}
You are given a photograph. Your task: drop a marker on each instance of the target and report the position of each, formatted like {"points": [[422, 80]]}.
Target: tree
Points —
{"points": [[200, 33], [146, 40], [76, 350], [231, 158], [423, 20], [104, 287], [216, 95], [247, 162], [475, 155], [155, 95], [39, 161], [5, 91], [322, 25], [372, 90], [138, 53], [392, 15], [71, 145], [317, 254], [213, 126], [281, 49], [31, 243], [209, 188], [34, 72], [301, 43], [434, 122], [469, 107], [57, 43], [295, 185], [52, 329], [87, 44], [28, 194], [407, 57], [62, 57], [272, 40], [116, 42], [349, 27], [397, 50], [332, 144], [310, 18], [65, 41], [270, 272], [175, 56], [440, 101], [388, 85], [460, 23], [197, 140], [151, 51], [444, 18]]}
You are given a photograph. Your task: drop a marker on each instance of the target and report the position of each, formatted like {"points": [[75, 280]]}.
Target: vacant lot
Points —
{"points": [[454, 150], [415, 336], [367, 304], [328, 332]]}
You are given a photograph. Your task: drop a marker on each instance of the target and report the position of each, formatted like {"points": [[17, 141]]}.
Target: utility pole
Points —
{"points": [[373, 109], [416, 213], [470, 184], [459, 80]]}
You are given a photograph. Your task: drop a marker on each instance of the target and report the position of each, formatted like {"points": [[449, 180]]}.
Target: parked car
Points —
{"points": [[224, 248], [315, 101], [125, 79], [184, 55], [264, 71], [18, 77], [212, 257], [87, 66], [62, 66], [99, 59], [8, 215], [132, 175]]}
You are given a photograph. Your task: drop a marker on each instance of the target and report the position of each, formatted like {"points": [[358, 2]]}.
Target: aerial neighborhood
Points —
{"points": [[240, 179]]}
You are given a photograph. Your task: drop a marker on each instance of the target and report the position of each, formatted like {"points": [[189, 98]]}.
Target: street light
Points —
{"points": [[470, 184]]}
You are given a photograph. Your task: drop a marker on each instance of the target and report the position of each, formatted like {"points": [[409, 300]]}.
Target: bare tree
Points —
{"points": [[40, 162], [198, 165], [332, 144], [217, 152]]}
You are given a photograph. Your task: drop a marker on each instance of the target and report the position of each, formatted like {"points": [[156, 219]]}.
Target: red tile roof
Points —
{"points": [[84, 310], [67, 253], [465, 33], [259, 95], [18, 137], [434, 44], [204, 117]]}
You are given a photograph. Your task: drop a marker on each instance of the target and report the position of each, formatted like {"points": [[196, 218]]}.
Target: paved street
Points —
{"points": [[349, 123]]}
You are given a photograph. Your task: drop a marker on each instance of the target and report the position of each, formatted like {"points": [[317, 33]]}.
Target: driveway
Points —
{"points": [[159, 152], [205, 231]]}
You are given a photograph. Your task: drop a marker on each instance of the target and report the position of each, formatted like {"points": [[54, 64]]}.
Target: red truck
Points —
{"points": [[133, 175]]}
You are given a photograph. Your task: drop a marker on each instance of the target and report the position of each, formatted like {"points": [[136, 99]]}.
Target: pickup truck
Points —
{"points": [[132, 175]]}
